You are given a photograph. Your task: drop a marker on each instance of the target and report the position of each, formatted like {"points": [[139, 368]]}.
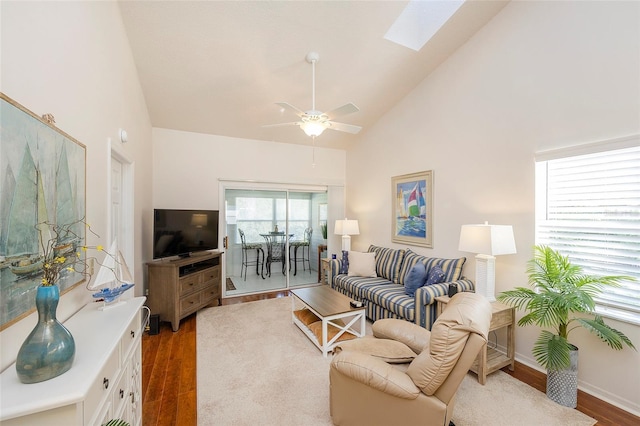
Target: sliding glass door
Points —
{"points": [[272, 238], [307, 215]]}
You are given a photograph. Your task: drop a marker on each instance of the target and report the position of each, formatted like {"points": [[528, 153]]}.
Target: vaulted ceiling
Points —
{"points": [[218, 67]]}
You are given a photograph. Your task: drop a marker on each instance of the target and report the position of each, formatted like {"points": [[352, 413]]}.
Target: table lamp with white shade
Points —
{"points": [[346, 228], [487, 241]]}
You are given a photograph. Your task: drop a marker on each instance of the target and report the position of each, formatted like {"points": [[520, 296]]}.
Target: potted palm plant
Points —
{"points": [[562, 299]]}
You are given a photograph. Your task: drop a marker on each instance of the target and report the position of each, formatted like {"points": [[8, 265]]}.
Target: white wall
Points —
{"points": [[540, 75], [72, 59], [187, 167], [196, 161]]}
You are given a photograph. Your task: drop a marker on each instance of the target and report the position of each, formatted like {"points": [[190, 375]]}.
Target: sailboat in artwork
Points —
{"points": [[65, 208], [28, 208], [412, 203], [411, 222], [113, 273]]}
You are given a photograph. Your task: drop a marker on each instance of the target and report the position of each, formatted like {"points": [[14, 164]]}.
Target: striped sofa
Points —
{"points": [[384, 296]]}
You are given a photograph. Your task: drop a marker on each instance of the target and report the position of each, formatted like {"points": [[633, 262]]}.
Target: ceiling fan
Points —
{"points": [[314, 122]]}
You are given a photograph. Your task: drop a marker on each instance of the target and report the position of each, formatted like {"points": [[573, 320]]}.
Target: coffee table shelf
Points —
{"points": [[333, 310]]}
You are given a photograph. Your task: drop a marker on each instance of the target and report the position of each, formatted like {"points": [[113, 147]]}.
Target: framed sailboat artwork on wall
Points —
{"points": [[412, 209], [42, 179]]}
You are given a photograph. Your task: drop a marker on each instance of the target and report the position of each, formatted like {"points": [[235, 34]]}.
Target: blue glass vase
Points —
{"points": [[49, 349]]}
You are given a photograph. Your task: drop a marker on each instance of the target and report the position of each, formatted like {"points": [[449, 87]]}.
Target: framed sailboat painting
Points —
{"points": [[412, 209], [42, 179]]}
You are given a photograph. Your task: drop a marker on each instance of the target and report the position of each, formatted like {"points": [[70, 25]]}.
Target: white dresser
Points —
{"points": [[104, 383]]}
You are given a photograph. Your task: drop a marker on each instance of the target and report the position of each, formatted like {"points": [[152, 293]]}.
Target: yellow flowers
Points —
{"points": [[63, 251]]}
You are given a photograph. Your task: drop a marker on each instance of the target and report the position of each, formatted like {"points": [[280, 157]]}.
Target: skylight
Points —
{"points": [[420, 20]]}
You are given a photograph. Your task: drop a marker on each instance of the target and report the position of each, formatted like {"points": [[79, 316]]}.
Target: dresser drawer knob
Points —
{"points": [[133, 334], [121, 393], [105, 383]]}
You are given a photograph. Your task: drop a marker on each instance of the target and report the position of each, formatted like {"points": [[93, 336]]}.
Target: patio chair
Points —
{"points": [[304, 246], [246, 248]]}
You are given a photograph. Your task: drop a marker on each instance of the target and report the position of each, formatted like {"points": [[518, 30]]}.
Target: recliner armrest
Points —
{"points": [[375, 373], [412, 335], [425, 299]]}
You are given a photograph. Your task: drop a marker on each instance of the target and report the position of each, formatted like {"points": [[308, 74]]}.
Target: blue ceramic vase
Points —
{"points": [[49, 349], [344, 267]]}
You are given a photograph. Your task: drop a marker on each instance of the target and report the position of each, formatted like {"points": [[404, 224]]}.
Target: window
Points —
{"points": [[299, 216], [588, 207], [255, 216], [259, 212]]}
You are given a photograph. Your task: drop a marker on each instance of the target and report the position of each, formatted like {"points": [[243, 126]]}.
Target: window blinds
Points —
{"points": [[588, 207]]}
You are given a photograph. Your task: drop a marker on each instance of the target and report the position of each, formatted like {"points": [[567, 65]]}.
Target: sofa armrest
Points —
{"points": [[334, 269], [429, 293], [375, 373], [425, 300]]}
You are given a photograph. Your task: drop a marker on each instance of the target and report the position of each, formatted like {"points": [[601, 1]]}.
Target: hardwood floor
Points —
{"points": [[169, 377], [605, 413]]}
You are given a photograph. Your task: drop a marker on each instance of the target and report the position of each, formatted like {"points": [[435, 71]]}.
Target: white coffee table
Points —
{"points": [[329, 306]]}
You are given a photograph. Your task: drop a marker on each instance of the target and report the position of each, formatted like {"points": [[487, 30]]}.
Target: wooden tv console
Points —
{"points": [[178, 288]]}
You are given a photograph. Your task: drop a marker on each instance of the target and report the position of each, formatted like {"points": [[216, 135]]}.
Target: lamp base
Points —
{"points": [[346, 242], [486, 276]]}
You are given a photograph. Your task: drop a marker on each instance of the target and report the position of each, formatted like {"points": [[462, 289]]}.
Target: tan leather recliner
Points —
{"points": [[368, 388]]}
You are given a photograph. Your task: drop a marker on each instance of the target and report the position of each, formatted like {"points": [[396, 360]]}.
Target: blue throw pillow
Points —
{"points": [[415, 278], [436, 275], [344, 268]]}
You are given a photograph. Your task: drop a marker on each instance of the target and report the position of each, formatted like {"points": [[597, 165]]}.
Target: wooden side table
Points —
{"points": [[490, 359], [324, 270], [321, 249]]}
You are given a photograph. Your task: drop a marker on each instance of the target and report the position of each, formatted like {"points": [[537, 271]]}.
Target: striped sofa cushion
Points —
{"points": [[388, 262], [357, 287], [410, 260], [452, 267]]}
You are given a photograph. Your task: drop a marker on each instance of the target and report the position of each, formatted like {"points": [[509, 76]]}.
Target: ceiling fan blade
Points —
{"points": [[342, 127], [290, 107], [293, 123], [343, 110]]}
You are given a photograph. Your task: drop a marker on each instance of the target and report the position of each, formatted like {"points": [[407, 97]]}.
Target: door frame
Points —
{"points": [[231, 184], [127, 231]]}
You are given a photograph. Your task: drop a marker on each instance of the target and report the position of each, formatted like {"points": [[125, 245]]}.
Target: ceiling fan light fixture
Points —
{"points": [[313, 122], [313, 128]]}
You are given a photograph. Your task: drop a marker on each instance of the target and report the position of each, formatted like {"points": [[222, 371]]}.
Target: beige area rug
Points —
{"points": [[256, 368]]}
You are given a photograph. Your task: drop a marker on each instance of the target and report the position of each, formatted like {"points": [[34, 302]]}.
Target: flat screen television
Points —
{"points": [[182, 232]]}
